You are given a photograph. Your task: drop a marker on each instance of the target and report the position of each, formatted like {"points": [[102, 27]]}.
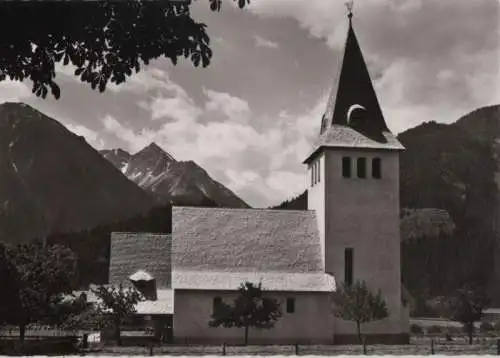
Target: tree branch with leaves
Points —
{"points": [[105, 41]]}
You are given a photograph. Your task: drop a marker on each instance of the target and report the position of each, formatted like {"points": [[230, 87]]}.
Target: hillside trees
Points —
{"points": [[92, 246], [37, 278], [105, 41], [249, 309]]}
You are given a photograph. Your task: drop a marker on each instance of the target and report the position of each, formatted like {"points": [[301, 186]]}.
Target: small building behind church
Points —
{"points": [[351, 231]]}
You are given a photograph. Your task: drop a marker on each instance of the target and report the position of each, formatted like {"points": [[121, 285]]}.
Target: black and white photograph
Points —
{"points": [[244, 178]]}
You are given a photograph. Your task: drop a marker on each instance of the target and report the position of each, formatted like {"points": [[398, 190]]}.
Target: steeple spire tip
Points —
{"points": [[349, 5]]}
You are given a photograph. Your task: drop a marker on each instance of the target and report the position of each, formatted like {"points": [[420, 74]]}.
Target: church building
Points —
{"points": [[350, 232]]}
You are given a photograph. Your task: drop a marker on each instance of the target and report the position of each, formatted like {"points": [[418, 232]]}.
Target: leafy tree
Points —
{"points": [[38, 277], [249, 309], [106, 41], [116, 306], [465, 306], [358, 304]]}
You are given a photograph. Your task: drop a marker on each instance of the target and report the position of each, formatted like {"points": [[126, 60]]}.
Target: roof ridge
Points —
{"points": [[245, 209], [204, 271], [141, 233]]}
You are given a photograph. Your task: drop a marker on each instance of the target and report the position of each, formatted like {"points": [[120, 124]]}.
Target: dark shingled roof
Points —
{"points": [[219, 239], [131, 252], [354, 86]]}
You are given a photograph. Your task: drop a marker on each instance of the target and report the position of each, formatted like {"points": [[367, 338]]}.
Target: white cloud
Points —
{"points": [[134, 141], [233, 107], [91, 136], [176, 108], [262, 42], [14, 91]]}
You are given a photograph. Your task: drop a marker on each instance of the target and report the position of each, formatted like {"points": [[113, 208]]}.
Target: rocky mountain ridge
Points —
{"points": [[158, 172]]}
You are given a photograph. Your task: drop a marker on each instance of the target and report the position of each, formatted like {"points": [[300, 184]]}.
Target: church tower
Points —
{"points": [[353, 185]]}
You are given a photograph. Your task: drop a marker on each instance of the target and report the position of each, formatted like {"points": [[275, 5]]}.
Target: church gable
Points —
{"points": [[242, 240]]}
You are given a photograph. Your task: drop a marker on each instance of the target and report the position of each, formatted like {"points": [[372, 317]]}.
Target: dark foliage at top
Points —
{"points": [[106, 41]]}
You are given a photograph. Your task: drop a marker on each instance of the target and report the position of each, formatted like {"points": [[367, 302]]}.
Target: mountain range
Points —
{"points": [[52, 180], [157, 172]]}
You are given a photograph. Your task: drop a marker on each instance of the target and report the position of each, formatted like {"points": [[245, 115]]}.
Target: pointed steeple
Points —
{"points": [[353, 101]]}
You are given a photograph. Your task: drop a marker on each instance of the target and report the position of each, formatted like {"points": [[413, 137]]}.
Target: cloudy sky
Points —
{"points": [[250, 117]]}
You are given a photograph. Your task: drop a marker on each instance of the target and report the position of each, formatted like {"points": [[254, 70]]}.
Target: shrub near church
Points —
{"points": [[249, 310]]}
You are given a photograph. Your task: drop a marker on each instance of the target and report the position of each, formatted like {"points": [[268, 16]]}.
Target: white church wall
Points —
{"points": [[315, 197], [363, 214], [312, 321]]}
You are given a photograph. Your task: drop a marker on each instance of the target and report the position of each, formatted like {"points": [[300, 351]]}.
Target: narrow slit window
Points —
{"points": [[319, 172], [376, 168], [290, 305], [346, 167], [361, 167], [315, 173], [312, 174], [348, 269]]}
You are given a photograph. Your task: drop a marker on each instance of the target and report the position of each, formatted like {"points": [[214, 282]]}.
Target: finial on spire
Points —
{"points": [[349, 5]]}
